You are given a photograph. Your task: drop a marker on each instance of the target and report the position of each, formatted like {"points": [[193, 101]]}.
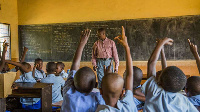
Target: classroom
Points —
{"points": [[176, 19]]}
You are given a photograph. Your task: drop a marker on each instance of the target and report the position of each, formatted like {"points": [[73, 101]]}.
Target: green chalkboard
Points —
{"points": [[58, 42]]}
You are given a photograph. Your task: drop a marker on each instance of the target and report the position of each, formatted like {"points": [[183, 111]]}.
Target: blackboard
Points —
{"points": [[58, 42]]}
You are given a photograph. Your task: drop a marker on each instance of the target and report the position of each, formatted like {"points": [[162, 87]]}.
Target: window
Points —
{"points": [[5, 35]]}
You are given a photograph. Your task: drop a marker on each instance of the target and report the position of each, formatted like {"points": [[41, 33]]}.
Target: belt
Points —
{"points": [[104, 59]]}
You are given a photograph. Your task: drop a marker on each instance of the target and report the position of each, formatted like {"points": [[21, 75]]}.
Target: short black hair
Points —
{"points": [[101, 29], [61, 64], [193, 85], [38, 59], [172, 79], [51, 67], [85, 80], [137, 76]]}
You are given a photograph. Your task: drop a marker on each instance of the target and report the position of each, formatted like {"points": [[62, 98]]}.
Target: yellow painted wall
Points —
{"points": [[9, 14], [63, 11]]}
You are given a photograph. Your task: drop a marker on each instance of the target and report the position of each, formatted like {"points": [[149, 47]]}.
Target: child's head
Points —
{"points": [[51, 67], [27, 65], [112, 85], [40, 63], [59, 67], [137, 76], [172, 79], [85, 80], [101, 33], [193, 86]]}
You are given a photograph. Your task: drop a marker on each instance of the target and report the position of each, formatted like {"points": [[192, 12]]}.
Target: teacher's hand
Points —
{"points": [[95, 68]]}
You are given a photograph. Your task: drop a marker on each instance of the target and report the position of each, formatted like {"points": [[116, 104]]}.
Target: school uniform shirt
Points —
{"points": [[58, 82], [74, 101], [159, 100], [139, 104], [195, 100], [63, 74], [126, 104], [26, 77], [13, 70], [39, 74]]}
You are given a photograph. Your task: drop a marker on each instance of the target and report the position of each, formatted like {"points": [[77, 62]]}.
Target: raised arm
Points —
{"points": [[23, 54], [94, 53], [77, 57], [163, 59], [193, 49], [33, 72], [5, 46], [129, 69], [151, 67], [21, 66]]}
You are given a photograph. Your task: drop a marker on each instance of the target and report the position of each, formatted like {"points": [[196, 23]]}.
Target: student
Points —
{"points": [[139, 97], [192, 88], [60, 70], [104, 50], [112, 85], [38, 73], [77, 95], [57, 81], [25, 68], [162, 94]]}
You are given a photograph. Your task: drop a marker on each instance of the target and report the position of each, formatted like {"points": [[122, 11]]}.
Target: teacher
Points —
{"points": [[104, 50]]}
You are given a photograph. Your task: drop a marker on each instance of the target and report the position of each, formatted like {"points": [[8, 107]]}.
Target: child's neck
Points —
{"points": [[111, 101], [50, 73]]}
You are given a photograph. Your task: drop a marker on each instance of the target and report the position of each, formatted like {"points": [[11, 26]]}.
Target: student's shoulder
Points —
{"points": [[59, 78], [128, 96], [102, 108], [150, 81], [30, 72]]}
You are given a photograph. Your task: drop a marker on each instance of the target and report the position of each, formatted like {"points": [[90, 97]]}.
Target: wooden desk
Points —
{"points": [[35, 90]]}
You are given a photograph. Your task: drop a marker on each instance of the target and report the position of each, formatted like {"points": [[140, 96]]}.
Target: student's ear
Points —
{"points": [[187, 92], [101, 91], [122, 94]]}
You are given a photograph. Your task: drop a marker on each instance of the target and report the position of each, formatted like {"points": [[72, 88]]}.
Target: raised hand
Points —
{"points": [[5, 45], [122, 39], [84, 36], [193, 48], [166, 41]]}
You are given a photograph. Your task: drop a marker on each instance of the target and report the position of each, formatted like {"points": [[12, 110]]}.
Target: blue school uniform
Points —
{"points": [[13, 70], [29, 103], [159, 100], [74, 101], [26, 77], [39, 74], [58, 82], [126, 104], [195, 100], [139, 104], [63, 74]]}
